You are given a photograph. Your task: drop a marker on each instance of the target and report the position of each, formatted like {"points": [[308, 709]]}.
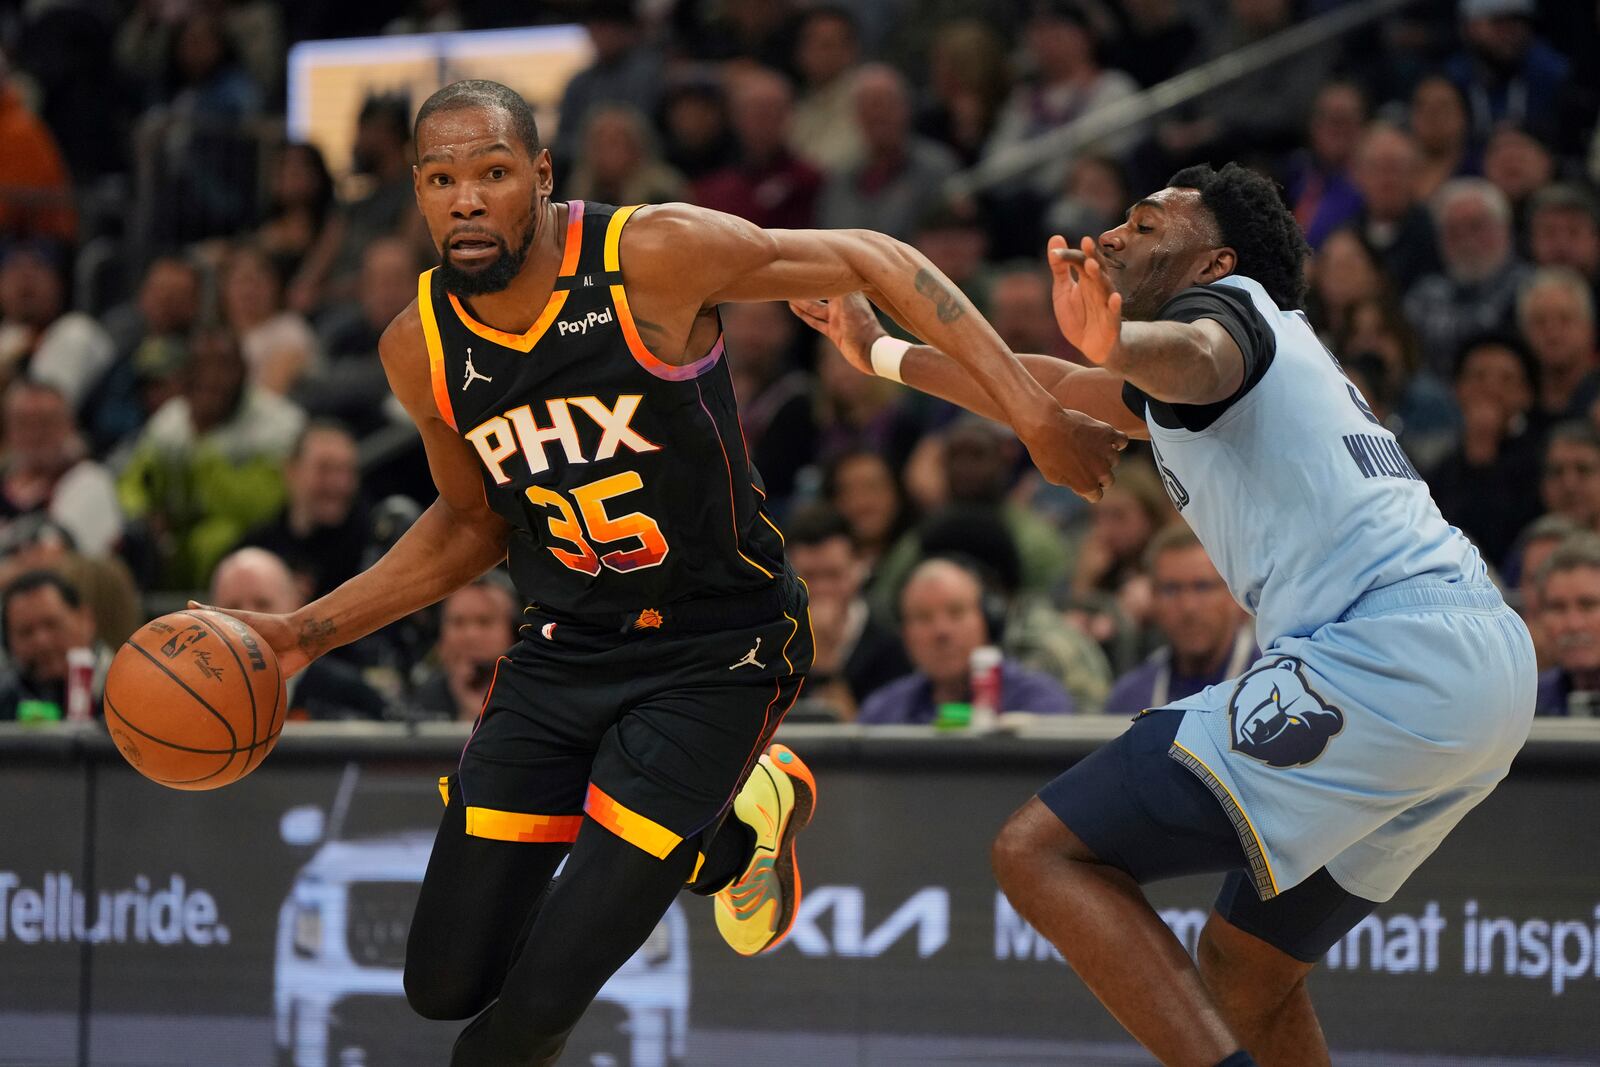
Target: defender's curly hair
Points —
{"points": [[1254, 221]]}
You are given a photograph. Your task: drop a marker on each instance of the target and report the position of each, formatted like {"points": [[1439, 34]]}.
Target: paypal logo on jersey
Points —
{"points": [[581, 326], [1280, 720]]}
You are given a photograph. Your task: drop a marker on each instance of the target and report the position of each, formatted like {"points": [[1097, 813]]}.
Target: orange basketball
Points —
{"points": [[195, 700]]}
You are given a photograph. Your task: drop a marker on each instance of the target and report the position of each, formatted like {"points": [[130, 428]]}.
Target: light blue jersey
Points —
{"points": [[1394, 686], [1302, 499]]}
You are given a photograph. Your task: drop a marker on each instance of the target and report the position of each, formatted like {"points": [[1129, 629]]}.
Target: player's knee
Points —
{"points": [[1015, 853], [1244, 979], [432, 996]]}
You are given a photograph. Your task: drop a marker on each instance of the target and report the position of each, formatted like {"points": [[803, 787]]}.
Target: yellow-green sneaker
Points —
{"points": [[756, 909]]}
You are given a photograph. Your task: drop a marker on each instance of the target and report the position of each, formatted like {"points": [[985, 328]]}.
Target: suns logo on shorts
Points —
{"points": [[1275, 717], [649, 619]]}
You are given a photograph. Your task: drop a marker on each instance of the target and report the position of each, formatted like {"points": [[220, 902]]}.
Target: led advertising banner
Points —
{"points": [[265, 924]]}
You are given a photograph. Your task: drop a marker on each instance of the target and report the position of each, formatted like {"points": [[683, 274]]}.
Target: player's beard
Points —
{"points": [[499, 273]]}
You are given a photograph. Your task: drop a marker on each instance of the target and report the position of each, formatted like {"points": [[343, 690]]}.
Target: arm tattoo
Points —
{"points": [[315, 633], [947, 305]]}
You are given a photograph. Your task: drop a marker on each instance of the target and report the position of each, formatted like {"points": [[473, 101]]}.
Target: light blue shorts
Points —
{"points": [[1359, 747]]}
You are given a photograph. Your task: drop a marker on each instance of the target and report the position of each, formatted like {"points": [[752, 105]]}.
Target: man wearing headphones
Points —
{"points": [[943, 618]]}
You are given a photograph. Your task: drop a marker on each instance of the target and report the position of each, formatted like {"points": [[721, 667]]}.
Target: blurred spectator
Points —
{"points": [[47, 469], [828, 120], [968, 83], [775, 401], [1208, 637], [381, 156], [1021, 313], [1094, 199], [855, 654], [205, 78], [1025, 624], [1319, 186], [278, 344], [253, 579], [1488, 486], [44, 619], [208, 466], [147, 333], [104, 583], [39, 337], [1157, 39], [428, 16], [1344, 272], [1476, 291], [477, 625], [1569, 614], [301, 203], [943, 622], [864, 489], [980, 467], [902, 175], [1534, 546], [1416, 406], [1260, 112], [1109, 597], [627, 69], [1067, 84], [694, 122], [766, 183], [1555, 313], [1564, 231], [757, 30], [1569, 482], [855, 411], [167, 305], [619, 162], [1441, 129], [321, 533], [35, 188], [1519, 165], [350, 385], [1506, 70], [1392, 218], [955, 239]]}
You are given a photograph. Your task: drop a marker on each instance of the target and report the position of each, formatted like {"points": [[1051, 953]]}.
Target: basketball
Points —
{"points": [[195, 700]]}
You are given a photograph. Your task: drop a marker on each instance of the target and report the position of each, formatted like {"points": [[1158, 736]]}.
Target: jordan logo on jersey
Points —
{"points": [[499, 438], [1277, 718], [472, 373]]}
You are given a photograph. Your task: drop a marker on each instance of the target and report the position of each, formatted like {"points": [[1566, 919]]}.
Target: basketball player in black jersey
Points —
{"points": [[564, 366]]}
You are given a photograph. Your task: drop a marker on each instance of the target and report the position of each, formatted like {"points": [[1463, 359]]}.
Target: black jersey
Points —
{"points": [[625, 479]]}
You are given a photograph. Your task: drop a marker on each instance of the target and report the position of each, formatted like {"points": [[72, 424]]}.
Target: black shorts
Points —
{"points": [[650, 732], [1143, 812]]}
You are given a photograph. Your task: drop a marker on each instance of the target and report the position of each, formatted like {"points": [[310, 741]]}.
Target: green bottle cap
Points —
{"points": [[38, 711], [953, 716]]}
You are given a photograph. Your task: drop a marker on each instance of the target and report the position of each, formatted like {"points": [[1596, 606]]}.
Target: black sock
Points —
{"points": [[727, 856], [1238, 1059]]}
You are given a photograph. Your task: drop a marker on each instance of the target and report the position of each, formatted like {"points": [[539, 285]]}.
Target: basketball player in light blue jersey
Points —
{"points": [[1395, 686]]}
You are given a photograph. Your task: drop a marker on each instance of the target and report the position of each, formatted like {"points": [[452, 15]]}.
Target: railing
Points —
{"points": [[1173, 93]]}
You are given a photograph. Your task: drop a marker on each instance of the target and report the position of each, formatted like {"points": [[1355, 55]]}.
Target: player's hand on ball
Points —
{"points": [[1088, 310], [848, 321], [276, 630], [1072, 449]]}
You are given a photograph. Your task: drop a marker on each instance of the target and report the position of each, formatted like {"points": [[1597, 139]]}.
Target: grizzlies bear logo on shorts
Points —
{"points": [[1278, 719]]}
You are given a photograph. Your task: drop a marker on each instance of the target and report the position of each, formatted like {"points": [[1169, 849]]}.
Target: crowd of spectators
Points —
{"points": [[191, 403]]}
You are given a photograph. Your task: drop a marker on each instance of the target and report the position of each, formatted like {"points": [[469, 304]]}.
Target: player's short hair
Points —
{"points": [[815, 524], [1170, 538], [478, 93], [1580, 551], [1253, 220]]}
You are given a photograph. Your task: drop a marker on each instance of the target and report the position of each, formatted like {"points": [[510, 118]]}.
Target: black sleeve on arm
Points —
{"points": [[1233, 310]]}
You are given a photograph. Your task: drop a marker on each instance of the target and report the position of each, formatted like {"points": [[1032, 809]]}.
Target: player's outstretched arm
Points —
{"points": [[456, 539], [849, 322], [1176, 362], [701, 258]]}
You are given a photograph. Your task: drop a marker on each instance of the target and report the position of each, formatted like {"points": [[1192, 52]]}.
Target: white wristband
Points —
{"points": [[887, 355]]}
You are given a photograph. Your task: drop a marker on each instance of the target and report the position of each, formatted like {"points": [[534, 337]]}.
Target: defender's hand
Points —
{"points": [[1088, 310], [278, 631], [848, 321], [1076, 451]]}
